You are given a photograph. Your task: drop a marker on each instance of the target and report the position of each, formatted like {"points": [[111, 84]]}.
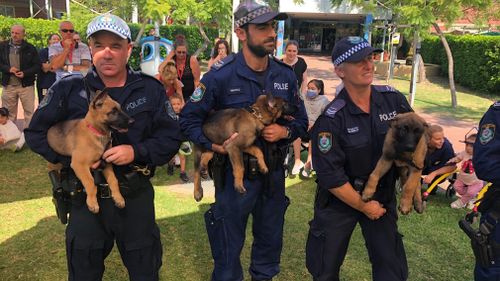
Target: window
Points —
{"points": [[7, 11]]}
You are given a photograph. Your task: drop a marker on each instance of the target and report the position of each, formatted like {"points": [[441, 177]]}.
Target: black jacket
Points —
{"points": [[29, 60]]}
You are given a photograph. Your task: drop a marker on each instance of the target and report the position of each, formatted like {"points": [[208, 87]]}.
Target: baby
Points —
{"points": [[10, 136]]}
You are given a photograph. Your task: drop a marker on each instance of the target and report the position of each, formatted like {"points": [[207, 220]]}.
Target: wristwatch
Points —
{"points": [[288, 133]]}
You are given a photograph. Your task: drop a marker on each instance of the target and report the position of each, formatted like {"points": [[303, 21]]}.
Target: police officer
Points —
{"points": [[236, 82], [486, 162], [152, 140], [347, 142]]}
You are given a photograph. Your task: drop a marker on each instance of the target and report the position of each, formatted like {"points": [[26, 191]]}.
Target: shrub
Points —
{"points": [[37, 31], [476, 57]]}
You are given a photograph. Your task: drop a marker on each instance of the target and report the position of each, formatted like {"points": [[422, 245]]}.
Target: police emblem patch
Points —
{"points": [[46, 100], [324, 141], [170, 110], [487, 133], [198, 93]]}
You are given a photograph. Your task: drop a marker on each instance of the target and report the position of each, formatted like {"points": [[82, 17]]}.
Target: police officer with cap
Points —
{"points": [[150, 141], [486, 160], [236, 82], [347, 142]]}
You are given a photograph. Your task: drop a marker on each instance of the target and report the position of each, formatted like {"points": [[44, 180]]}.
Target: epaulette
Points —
{"points": [[280, 62], [385, 89], [221, 63], [335, 106], [496, 105]]}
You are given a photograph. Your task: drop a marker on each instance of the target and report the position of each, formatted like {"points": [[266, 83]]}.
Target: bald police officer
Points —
{"points": [[150, 141], [347, 142], [236, 82]]}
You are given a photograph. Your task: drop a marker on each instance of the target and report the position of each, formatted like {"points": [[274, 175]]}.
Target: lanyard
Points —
{"points": [[180, 72]]}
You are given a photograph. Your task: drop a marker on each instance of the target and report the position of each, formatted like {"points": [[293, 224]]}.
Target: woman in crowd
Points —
{"points": [[46, 77], [167, 74], [188, 68], [299, 66], [220, 51]]}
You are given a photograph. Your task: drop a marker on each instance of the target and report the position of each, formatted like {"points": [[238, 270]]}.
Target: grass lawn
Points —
{"points": [[434, 97], [32, 239]]}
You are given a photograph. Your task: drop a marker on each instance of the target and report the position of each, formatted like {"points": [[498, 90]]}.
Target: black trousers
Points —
{"points": [[329, 235], [90, 238]]}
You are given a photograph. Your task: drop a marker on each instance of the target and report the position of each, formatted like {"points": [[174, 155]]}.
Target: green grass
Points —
{"points": [[32, 239], [434, 97]]}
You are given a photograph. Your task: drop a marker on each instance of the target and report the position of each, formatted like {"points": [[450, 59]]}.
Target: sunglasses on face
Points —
{"points": [[180, 52], [67, 30]]}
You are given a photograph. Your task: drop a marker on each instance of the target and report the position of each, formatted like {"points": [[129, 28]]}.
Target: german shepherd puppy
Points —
{"points": [[248, 123], [85, 140], [406, 146]]}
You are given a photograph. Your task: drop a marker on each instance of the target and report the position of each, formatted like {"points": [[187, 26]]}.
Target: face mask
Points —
{"points": [[311, 94]]}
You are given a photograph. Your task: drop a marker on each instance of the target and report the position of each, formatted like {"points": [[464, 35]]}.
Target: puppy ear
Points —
{"points": [[270, 99], [99, 98]]}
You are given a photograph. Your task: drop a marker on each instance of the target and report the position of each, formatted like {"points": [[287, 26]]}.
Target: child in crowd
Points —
{"points": [[315, 102], [467, 185], [167, 74], [439, 153], [177, 103], [10, 136]]}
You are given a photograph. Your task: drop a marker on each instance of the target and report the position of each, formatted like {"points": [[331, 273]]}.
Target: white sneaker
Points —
{"points": [[177, 160], [457, 204], [296, 167]]}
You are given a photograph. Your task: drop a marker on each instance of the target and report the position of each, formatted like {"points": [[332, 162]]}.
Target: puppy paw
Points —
{"points": [[93, 205], [264, 170], [418, 206], [240, 188], [198, 195], [366, 196], [404, 209], [119, 201]]}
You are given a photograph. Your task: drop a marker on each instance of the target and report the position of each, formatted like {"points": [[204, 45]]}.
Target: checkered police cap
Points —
{"points": [[351, 49], [111, 23], [255, 11]]}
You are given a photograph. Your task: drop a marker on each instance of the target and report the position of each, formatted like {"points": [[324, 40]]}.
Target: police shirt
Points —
{"points": [[154, 135], [230, 83], [347, 142], [438, 158], [486, 155]]}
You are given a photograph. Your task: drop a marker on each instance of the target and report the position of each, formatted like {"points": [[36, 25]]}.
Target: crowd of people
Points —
{"points": [[344, 139]]}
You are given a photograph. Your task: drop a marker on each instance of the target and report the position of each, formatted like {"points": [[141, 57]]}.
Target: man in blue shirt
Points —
{"points": [[236, 82]]}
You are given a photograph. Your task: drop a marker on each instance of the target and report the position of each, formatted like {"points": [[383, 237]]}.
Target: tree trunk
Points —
{"points": [[141, 31], [203, 46], [451, 76], [421, 69]]}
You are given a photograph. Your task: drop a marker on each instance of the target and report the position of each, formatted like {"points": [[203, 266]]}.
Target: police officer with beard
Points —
{"points": [[236, 82], [347, 142], [486, 160], [150, 141]]}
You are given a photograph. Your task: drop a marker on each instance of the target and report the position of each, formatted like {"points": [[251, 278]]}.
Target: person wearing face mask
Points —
{"points": [[315, 102]]}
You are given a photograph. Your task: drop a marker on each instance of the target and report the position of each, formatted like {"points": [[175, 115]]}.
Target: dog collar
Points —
{"points": [[255, 112], [95, 131]]}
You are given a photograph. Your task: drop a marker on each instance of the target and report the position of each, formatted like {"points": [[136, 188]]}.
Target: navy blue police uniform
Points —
{"points": [[155, 138], [486, 160], [346, 145], [232, 84]]}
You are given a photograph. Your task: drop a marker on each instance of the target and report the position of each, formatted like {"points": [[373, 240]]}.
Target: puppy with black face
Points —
{"points": [[405, 145], [248, 123]]}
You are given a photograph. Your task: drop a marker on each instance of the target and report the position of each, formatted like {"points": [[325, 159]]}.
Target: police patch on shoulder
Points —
{"points": [[487, 133], [496, 105], [170, 110], [198, 93], [324, 141], [384, 88], [46, 99], [334, 107], [221, 63]]}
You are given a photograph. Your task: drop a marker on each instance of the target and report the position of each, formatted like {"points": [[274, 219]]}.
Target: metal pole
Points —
{"points": [[383, 41], [31, 8], [68, 10], [234, 38], [414, 69]]}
